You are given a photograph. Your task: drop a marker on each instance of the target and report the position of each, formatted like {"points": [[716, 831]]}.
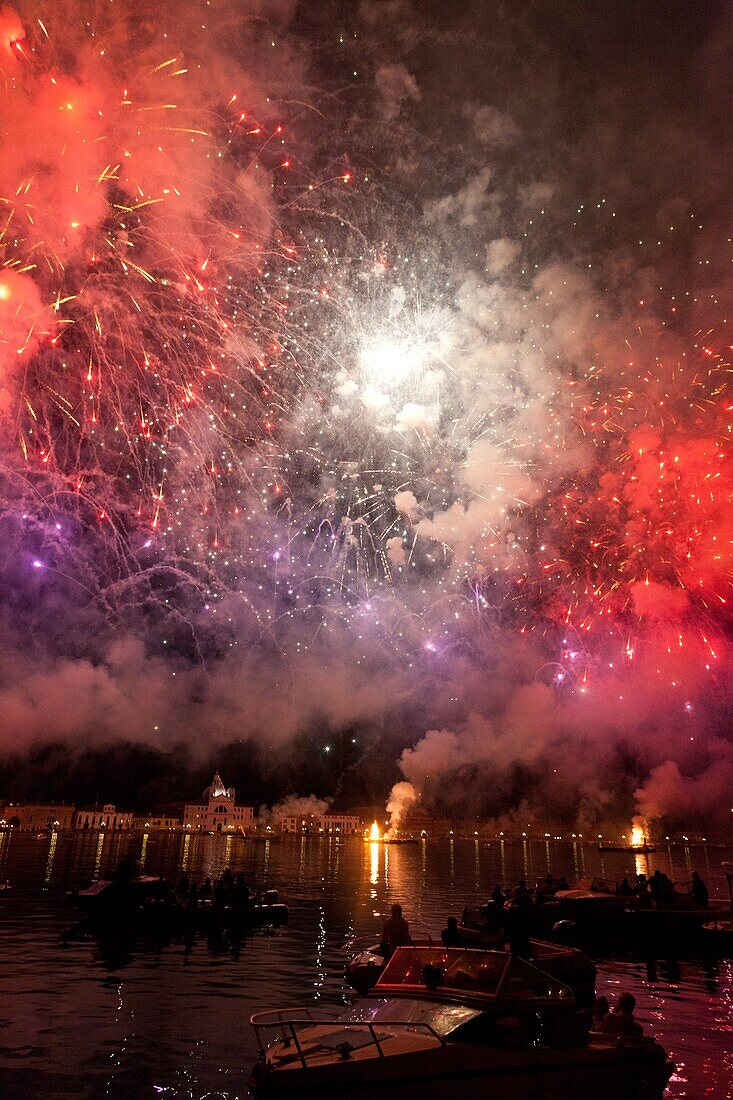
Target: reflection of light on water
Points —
{"points": [[266, 858], [502, 860], [477, 864], [374, 862], [525, 859], [228, 851], [144, 848], [98, 856], [184, 854], [320, 979], [641, 864], [51, 854]]}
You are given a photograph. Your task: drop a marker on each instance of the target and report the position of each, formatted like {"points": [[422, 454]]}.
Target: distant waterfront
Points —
{"points": [[66, 855]]}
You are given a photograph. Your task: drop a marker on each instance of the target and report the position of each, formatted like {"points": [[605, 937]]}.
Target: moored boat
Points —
{"points": [[107, 897], [632, 849], [717, 938], [149, 900], [567, 964], [440, 1017]]}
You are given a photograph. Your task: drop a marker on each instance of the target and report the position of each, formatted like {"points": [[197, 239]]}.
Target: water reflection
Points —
{"points": [[98, 857], [374, 848], [641, 864], [51, 855]]}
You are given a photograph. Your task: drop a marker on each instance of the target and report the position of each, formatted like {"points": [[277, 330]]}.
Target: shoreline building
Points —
{"points": [[143, 823], [331, 824], [33, 815], [105, 816], [217, 812]]}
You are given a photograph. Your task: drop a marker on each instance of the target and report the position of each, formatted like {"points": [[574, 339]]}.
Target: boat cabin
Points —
{"points": [[483, 978]]}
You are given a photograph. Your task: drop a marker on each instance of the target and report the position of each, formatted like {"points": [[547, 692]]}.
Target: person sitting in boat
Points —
{"points": [[547, 888], [625, 888], [183, 886], [224, 889], [521, 895], [661, 888], [600, 1011], [396, 932], [699, 891], [126, 869], [562, 883], [206, 890], [492, 914], [450, 935], [620, 1020], [644, 895], [241, 893]]}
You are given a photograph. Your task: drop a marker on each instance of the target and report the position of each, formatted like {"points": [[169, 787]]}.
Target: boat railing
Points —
{"points": [[418, 936], [291, 1021]]}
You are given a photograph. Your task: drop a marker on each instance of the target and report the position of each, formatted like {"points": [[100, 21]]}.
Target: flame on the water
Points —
{"points": [[374, 832], [637, 836]]}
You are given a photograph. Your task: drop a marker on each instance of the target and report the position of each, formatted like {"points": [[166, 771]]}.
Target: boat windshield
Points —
{"points": [[442, 1018], [488, 975], [604, 886]]}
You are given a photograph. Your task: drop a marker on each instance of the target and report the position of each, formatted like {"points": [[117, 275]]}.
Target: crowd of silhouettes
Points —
{"points": [[229, 890]]}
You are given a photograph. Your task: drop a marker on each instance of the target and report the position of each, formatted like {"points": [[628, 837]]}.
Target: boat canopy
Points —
{"points": [[483, 976], [442, 1018]]}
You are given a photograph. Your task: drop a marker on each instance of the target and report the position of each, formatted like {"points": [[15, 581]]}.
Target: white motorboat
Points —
{"points": [[445, 1017]]}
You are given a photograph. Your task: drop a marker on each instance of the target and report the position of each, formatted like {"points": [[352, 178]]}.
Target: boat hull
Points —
{"points": [[106, 898], [603, 1071]]}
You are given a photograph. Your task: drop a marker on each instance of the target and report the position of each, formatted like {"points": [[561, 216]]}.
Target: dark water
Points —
{"points": [[87, 1021]]}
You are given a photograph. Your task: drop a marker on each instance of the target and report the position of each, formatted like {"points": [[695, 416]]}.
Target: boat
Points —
{"points": [[150, 900], [265, 910], [717, 935], [567, 964], [717, 938], [632, 849], [601, 912], [444, 1017], [594, 895], [108, 897]]}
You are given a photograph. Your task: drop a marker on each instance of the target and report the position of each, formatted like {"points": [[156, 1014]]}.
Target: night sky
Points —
{"points": [[364, 404]]}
